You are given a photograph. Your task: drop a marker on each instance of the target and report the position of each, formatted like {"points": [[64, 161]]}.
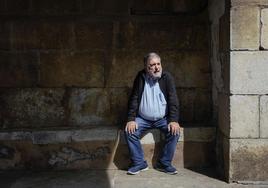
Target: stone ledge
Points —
{"points": [[198, 134]]}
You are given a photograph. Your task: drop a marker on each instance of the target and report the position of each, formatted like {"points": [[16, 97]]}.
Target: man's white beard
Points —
{"points": [[156, 75]]}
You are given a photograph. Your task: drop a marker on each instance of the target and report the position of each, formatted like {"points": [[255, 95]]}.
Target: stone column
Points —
{"points": [[243, 103]]}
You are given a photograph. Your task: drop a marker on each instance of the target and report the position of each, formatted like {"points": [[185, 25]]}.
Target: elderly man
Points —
{"points": [[153, 104]]}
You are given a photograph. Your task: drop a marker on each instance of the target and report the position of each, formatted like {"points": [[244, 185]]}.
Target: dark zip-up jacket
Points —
{"points": [[168, 88]]}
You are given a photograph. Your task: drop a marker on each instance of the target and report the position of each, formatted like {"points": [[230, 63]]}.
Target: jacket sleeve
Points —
{"points": [[173, 103], [133, 102]]}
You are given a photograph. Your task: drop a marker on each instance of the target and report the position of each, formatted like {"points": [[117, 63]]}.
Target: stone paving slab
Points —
{"points": [[115, 179]]}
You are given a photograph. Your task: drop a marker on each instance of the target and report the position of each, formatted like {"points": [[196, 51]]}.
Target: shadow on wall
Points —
{"points": [[198, 148]]}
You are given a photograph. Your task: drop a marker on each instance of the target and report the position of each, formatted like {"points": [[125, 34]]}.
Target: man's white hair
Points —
{"points": [[150, 56]]}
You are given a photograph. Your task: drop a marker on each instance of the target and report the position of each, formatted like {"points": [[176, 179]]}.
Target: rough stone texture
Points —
{"points": [[248, 2], [18, 69], [124, 67], [62, 149], [159, 35], [189, 69], [80, 69], [264, 28], [239, 116], [97, 107], [264, 116], [244, 122], [245, 27], [41, 35], [31, 108], [78, 155], [93, 35], [248, 159], [249, 72], [224, 114]]}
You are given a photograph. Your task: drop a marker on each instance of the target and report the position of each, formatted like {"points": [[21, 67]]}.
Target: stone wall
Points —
{"points": [[69, 65], [242, 103]]}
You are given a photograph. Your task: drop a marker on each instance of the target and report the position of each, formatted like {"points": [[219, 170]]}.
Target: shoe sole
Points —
{"points": [[134, 173], [170, 173]]}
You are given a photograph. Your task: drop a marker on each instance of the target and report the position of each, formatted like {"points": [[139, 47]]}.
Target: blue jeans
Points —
{"points": [[134, 145]]}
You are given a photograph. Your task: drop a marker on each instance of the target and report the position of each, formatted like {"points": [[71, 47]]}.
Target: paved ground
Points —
{"points": [[114, 179]]}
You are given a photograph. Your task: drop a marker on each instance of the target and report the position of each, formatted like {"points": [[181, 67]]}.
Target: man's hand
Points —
{"points": [[131, 127], [174, 128]]}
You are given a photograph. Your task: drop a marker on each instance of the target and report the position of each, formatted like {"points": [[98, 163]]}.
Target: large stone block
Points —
{"points": [[245, 28], [249, 72], [159, 35], [248, 159], [55, 7], [42, 35], [244, 117], [239, 116], [5, 28], [31, 108], [248, 2], [18, 69], [189, 69], [85, 69], [264, 116], [264, 28], [124, 67], [93, 35], [95, 107]]}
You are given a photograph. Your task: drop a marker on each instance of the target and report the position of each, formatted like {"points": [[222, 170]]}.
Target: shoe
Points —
{"points": [[165, 168], [137, 169]]}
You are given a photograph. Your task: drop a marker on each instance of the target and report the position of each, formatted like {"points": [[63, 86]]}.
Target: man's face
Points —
{"points": [[154, 68]]}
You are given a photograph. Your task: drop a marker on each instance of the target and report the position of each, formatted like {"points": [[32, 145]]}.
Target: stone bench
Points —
{"points": [[98, 148]]}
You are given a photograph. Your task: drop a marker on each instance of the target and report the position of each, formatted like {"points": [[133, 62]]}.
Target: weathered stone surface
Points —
{"points": [[72, 69], [248, 2], [224, 33], [123, 68], [97, 148], [195, 105], [249, 72], [189, 69], [244, 121], [18, 69], [204, 154], [78, 155], [31, 108], [264, 116], [55, 7], [90, 107], [248, 159], [42, 35], [264, 28], [159, 35], [224, 114], [5, 35], [245, 27], [93, 35]]}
